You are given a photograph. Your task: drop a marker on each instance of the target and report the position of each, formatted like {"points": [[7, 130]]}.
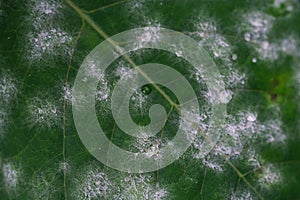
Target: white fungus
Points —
{"points": [[11, 176], [270, 176], [8, 89], [139, 186], [46, 39], [43, 113], [251, 117]]}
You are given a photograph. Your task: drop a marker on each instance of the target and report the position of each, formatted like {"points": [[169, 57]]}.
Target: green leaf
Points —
{"points": [[255, 46]]}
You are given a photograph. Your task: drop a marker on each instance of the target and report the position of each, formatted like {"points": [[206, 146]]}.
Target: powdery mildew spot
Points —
{"points": [[43, 113], [93, 183], [67, 93], [50, 42], [8, 89], [139, 186], [207, 32], [270, 176], [256, 27], [43, 10], [239, 132], [150, 146], [235, 78], [215, 98], [103, 90], [46, 39], [64, 167], [151, 35], [124, 71], [11, 176], [242, 195]]}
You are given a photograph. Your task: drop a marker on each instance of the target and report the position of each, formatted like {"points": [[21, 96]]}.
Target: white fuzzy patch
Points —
{"points": [[46, 39], [140, 187], [8, 89], [256, 27], [43, 113], [11, 176]]}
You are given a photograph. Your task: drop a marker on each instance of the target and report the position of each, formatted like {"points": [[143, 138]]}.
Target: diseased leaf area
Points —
{"points": [[255, 45]]}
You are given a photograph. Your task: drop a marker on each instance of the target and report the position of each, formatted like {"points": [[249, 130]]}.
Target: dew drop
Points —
{"points": [[146, 89]]}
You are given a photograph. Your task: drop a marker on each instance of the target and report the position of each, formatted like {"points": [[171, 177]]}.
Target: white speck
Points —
{"points": [[8, 89], [259, 24], [178, 53], [253, 158], [247, 37], [225, 96], [234, 57], [289, 8], [212, 162], [274, 133], [270, 176], [45, 38], [48, 42], [11, 176], [256, 27], [289, 45], [251, 117], [222, 97], [211, 40], [151, 35], [103, 90], [241, 195], [41, 8], [67, 93], [235, 78], [139, 100], [188, 121], [146, 37], [140, 186], [254, 60], [43, 113], [93, 183], [124, 71], [149, 146], [64, 166], [96, 185]]}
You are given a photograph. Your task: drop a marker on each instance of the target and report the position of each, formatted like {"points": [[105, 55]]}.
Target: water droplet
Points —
{"points": [[146, 89]]}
